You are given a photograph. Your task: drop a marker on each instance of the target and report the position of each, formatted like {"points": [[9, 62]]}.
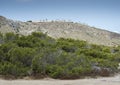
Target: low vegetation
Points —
{"points": [[38, 55]]}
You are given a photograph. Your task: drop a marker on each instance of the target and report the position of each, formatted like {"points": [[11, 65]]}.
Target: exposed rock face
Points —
{"points": [[57, 29]]}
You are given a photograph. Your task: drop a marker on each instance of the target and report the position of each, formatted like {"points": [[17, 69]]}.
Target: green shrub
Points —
{"points": [[22, 55], [39, 54]]}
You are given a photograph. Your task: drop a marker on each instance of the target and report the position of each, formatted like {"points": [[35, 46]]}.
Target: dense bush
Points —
{"points": [[39, 54]]}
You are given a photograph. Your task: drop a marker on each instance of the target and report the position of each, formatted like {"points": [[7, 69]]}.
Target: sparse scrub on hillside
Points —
{"points": [[39, 55]]}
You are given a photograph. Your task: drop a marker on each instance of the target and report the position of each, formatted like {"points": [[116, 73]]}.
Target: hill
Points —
{"points": [[58, 29]]}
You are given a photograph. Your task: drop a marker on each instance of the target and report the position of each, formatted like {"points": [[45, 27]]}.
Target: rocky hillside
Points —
{"points": [[57, 29]]}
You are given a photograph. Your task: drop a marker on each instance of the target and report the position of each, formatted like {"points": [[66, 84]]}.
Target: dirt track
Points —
{"points": [[99, 81]]}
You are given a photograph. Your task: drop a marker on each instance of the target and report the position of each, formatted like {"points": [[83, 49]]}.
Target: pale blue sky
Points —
{"points": [[103, 14]]}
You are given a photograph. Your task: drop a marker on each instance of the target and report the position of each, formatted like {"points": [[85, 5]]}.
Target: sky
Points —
{"points": [[104, 14]]}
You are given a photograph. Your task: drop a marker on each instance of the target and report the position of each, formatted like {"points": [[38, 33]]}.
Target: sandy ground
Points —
{"points": [[47, 81]]}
